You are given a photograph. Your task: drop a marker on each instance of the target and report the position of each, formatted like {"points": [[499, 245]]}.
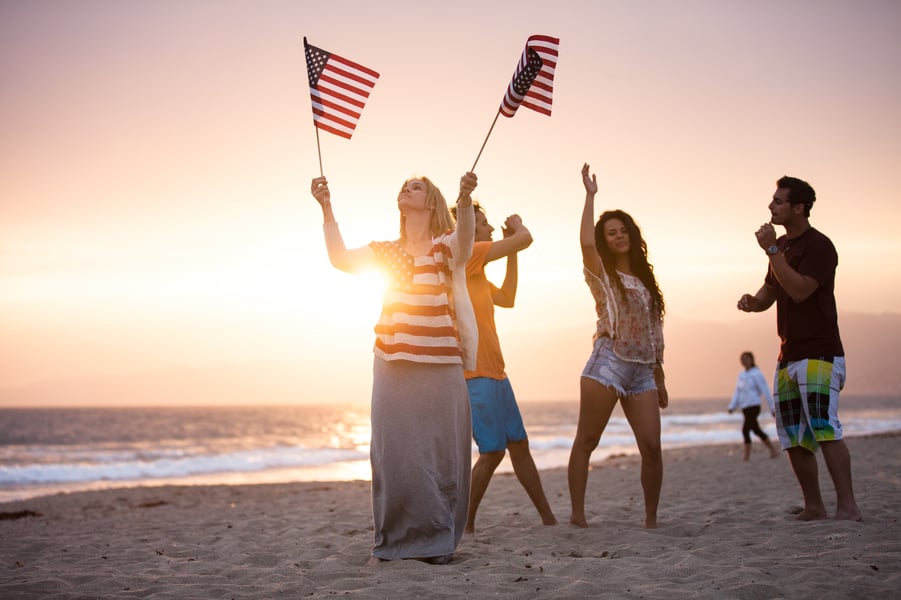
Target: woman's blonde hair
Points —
{"points": [[441, 221]]}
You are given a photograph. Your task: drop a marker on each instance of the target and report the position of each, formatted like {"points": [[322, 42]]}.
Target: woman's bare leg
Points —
{"points": [[643, 413], [596, 404]]}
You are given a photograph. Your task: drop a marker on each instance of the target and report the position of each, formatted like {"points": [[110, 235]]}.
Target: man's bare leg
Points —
{"points": [[527, 474], [804, 464], [481, 476], [838, 462]]}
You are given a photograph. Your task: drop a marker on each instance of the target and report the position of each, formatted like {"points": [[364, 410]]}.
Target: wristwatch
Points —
{"points": [[774, 249]]}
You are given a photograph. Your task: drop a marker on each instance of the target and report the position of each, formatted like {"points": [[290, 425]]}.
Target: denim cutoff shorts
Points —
{"points": [[627, 378]]}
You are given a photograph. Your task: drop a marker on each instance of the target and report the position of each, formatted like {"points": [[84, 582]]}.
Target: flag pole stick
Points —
{"points": [[318, 151], [490, 129]]}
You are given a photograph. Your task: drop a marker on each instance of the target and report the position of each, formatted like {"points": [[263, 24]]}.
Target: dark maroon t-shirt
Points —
{"points": [[808, 329]]}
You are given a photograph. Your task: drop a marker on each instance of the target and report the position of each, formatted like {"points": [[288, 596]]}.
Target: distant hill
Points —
{"points": [[701, 358], [701, 363], [700, 353]]}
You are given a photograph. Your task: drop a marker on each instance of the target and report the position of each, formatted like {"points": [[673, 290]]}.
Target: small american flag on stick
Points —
{"points": [[339, 89], [532, 85]]}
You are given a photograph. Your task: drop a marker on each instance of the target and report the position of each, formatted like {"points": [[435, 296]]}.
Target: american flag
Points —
{"points": [[533, 81], [339, 89]]}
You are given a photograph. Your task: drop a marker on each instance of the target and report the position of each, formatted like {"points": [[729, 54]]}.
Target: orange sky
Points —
{"points": [[155, 163]]}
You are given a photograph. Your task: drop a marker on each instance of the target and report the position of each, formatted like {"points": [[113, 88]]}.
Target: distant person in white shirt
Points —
{"points": [[749, 389]]}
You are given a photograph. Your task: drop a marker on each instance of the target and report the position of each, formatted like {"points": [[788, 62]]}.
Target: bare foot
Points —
{"points": [[578, 521], [469, 529], [853, 515], [811, 515], [552, 520], [373, 561], [650, 523]]}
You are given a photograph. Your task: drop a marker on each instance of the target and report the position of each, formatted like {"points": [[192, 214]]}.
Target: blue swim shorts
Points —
{"points": [[495, 416], [806, 395], [627, 378]]}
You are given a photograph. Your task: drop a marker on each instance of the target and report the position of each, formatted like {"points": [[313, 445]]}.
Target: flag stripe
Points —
{"points": [[538, 100], [541, 88], [329, 116], [325, 127], [322, 117], [351, 80], [340, 81], [544, 39], [324, 103], [363, 71], [338, 89], [336, 98], [541, 108]]}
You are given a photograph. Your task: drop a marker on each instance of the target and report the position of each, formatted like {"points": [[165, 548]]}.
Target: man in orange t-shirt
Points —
{"points": [[496, 422]]}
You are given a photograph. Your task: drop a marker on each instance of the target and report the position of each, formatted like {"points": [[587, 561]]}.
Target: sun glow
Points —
{"points": [[155, 212]]}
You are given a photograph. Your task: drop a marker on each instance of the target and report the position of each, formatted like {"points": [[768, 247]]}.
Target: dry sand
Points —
{"points": [[727, 531]]}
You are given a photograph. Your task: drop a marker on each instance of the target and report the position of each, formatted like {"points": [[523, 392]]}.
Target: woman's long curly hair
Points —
{"points": [[638, 256]]}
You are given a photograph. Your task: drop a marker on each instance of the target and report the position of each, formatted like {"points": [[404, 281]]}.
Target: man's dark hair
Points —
{"points": [[475, 206], [799, 192]]}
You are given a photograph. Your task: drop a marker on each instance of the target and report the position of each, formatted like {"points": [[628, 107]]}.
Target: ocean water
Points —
{"points": [[53, 450]]}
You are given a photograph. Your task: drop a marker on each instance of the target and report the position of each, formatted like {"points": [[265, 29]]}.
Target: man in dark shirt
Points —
{"points": [[811, 370]]}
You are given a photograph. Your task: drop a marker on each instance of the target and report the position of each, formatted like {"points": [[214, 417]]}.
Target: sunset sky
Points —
{"points": [[155, 160]]}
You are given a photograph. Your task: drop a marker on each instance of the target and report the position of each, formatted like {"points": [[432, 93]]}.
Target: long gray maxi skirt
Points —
{"points": [[420, 454]]}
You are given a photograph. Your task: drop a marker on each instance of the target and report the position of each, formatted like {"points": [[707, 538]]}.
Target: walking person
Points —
{"points": [[749, 389]]}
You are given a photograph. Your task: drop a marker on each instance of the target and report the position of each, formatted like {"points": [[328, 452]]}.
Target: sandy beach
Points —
{"points": [[727, 531]]}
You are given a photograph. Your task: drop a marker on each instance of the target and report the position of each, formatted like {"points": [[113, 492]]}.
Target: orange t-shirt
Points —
{"points": [[489, 361]]}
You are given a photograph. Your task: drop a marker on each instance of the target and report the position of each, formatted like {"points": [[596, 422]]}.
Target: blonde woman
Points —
{"points": [[425, 336]]}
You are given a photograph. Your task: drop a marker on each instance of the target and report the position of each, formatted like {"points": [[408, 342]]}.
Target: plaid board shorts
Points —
{"points": [[806, 394]]}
